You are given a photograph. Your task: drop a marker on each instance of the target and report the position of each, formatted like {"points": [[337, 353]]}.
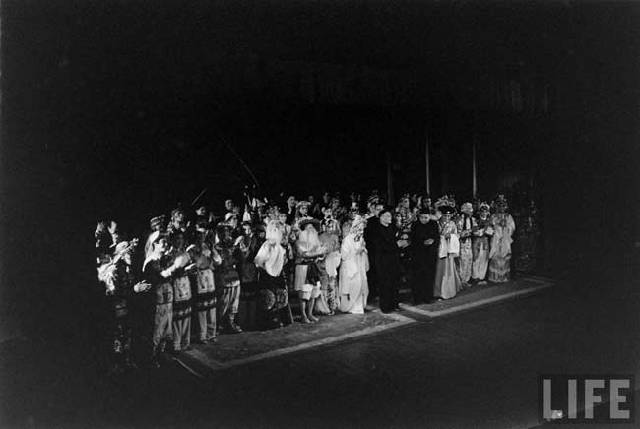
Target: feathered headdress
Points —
{"points": [[445, 201], [500, 202]]}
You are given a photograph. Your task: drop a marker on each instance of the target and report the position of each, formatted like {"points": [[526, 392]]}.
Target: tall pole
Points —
{"points": [[475, 169], [426, 163], [389, 179]]}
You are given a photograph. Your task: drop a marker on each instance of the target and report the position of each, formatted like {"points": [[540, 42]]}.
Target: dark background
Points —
{"points": [[124, 108]]}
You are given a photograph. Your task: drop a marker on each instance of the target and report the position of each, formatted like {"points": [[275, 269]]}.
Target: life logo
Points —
{"points": [[581, 398]]}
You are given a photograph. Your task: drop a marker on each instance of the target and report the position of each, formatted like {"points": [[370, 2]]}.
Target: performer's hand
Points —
{"points": [[142, 286], [428, 242]]}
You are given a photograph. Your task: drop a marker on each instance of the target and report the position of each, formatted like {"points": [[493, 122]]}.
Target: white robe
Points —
{"points": [[354, 288]]}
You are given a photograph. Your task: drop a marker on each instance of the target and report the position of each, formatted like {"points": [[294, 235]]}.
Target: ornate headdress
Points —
{"points": [[445, 201], [466, 207], [158, 223], [500, 202]]}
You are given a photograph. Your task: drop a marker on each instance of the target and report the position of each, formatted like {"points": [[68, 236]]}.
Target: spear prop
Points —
{"points": [[193, 203], [244, 164]]}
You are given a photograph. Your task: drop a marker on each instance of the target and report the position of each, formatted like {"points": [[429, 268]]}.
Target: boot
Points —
{"points": [[233, 328]]}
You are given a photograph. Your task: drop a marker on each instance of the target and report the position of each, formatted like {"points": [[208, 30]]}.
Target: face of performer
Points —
{"points": [[468, 211], [484, 214], [426, 203], [386, 218], [378, 209], [304, 210], [246, 230], [291, 201], [233, 222], [423, 218], [228, 205], [335, 203], [201, 211], [326, 198], [398, 219], [405, 203], [328, 213], [160, 246], [446, 217], [311, 199], [113, 227]]}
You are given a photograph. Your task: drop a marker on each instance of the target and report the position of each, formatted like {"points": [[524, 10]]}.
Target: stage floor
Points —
{"points": [[251, 346]]}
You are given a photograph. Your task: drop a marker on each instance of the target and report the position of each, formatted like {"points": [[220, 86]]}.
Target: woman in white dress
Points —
{"points": [[354, 289]]}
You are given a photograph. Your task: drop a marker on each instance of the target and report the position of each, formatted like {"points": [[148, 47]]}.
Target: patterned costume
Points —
{"points": [[228, 280], [500, 253], [119, 281], [328, 266], [204, 288], [481, 237], [465, 225], [181, 319], [155, 272], [273, 298], [447, 281]]}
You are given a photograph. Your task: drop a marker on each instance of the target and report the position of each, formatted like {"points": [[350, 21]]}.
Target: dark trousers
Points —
{"points": [[423, 277], [388, 283]]}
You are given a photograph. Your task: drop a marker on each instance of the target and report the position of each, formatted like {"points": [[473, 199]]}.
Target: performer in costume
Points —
{"points": [[354, 288], [466, 224], [181, 318], [249, 246], [273, 308], [481, 237], [500, 253], [178, 222], [157, 271], [447, 280], [425, 242], [203, 284], [120, 286], [327, 302], [307, 277], [302, 213], [227, 278]]}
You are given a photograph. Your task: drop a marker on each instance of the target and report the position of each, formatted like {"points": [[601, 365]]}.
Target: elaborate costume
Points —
{"points": [[307, 276], [353, 270], [204, 288], [227, 278], [157, 271], [500, 253], [465, 225], [181, 319], [273, 298], [447, 280], [119, 281], [481, 236], [327, 302]]}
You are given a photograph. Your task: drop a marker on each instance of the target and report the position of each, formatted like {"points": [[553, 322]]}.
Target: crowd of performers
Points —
{"points": [[195, 268]]}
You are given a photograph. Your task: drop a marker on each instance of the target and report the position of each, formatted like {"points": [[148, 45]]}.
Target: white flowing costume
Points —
{"points": [[354, 288]]}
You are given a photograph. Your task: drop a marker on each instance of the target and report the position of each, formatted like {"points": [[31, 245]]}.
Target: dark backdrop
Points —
{"points": [[124, 108]]}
